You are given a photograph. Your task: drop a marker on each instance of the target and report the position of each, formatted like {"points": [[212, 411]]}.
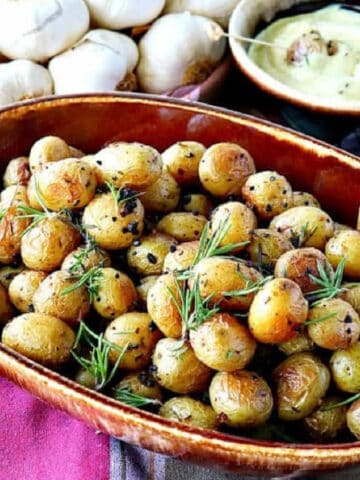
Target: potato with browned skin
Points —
{"points": [[183, 226], [146, 256], [345, 244], [23, 287], [182, 160], [188, 410], [17, 172]]}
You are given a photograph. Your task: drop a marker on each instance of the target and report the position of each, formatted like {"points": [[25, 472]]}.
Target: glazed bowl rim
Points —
{"points": [[212, 439]]}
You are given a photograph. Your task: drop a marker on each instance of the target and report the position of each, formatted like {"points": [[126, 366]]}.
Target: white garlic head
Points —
{"points": [[99, 62], [23, 79], [119, 14], [218, 10], [38, 29], [179, 49]]}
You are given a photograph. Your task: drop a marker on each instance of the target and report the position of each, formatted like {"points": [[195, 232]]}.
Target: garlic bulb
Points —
{"points": [[118, 14], [38, 29], [179, 49], [99, 62], [23, 79], [218, 10]]}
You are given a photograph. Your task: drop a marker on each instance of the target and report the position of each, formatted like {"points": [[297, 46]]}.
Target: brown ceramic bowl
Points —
{"points": [[89, 122], [244, 21]]}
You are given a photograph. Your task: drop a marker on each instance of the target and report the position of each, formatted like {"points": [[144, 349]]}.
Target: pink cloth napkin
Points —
{"points": [[38, 442]]}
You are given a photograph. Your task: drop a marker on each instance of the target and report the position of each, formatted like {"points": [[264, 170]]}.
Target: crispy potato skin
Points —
{"points": [[50, 299], [179, 371], [93, 258], [324, 425], [345, 243], [345, 368], [301, 382], [17, 172], [162, 308], [162, 196], [141, 338], [297, 265], [183, 226], [319, 226], [22, 289], [42, 338], [148, 257], [304, 199], [46, 150], [69, 183], [268, 193], [193, 412], [128, 164], [242, 223], [242, 399], [143, 288], [224, 168], [278, 311], [197, 203], [353, 419], [45, 246], [181, 257], [222, 343], [341, 330], [116, 294], [113, 226], [11, 226], [182, 160]]}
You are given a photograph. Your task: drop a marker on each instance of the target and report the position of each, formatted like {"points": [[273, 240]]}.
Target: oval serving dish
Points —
{"points": [[245, 20], [92, 121]]}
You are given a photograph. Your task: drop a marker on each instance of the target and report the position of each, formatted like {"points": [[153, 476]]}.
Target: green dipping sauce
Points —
{"points": [[318, 54]]}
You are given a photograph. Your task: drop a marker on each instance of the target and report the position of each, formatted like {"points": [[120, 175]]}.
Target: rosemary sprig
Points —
{"points": [[125, 395], [97, 364], [298, 239], [320, 319], [90, 246], [193, 309], [209, 245], [121, 195], [347, 401], [90, 279], [329, 281], [250, 287]]}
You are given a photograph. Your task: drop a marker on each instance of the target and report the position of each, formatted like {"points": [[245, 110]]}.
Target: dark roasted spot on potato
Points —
{"points": [[251, 188], [348, 319], [306, 202], [348, 331], [99, 162], [152, 368], [31, 308], [268, 208], [285, 204], [117, 275], [152, 326], [113, 219], [87, 184], [133, 228], [196, 232], [173, 248], [189, 155], [152, 259], [272, 178]]}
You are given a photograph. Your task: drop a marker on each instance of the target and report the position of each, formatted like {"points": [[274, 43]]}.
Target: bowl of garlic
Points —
{"points": [[86, 46], [302, 51]]}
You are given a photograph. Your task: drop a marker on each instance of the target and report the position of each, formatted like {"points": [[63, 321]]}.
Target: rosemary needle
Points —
{"points": [[330, 283], [125, 395]]}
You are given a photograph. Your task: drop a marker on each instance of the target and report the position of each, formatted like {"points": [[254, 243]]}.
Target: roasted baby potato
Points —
{"points": [[115, 293], [162, 196], [345, 368], [162, 302], [143, 288], [333, 324], [46, 150], [305, 199], [197, 203], [301, 265], [268, 193], [8, 272], [43, 338], [146, 256], [223, 343], [114, 224], [182, 160], [17, 172], [241, 223], [346, 244], [266, 246], [85, 257], [136, 331], [241, 399], [324, 424], [353, 419], [187, 410], [177, 367], [59, 296], [301, 380], [183, 226], [305, 226], [301, 343], [181, 257], [224, 168], [22, 289], [45, 246], [128, 164], [140, 383], [69, 183], [278, 311]]}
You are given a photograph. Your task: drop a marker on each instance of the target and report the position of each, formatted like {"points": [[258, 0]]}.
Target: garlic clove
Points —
{"points": [[218, 10], [101, 61], [178, 49], [37, 30], [23, 79], [119, 14]]}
